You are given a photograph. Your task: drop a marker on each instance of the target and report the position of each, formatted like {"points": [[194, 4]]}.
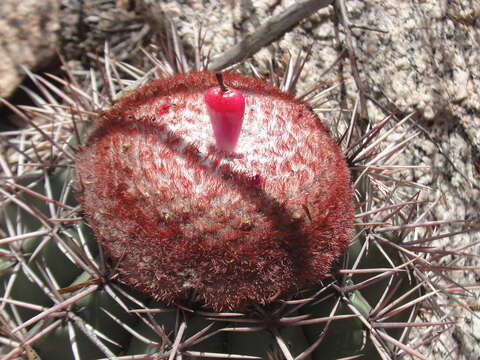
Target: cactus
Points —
{"points": [[66, 297], [186, 218]]}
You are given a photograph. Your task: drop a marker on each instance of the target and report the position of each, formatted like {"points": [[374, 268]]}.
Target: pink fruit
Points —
{"points": [[180, 220], [226, 108]]}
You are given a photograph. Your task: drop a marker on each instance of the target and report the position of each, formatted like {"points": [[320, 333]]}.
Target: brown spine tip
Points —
{"points": [[219, 77]]}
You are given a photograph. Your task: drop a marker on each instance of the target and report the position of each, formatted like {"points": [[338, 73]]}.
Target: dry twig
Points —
{"points": [[275, 27]]}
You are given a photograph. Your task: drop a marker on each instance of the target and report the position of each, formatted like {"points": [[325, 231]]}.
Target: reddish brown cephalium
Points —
{"points": [[179, 218]]}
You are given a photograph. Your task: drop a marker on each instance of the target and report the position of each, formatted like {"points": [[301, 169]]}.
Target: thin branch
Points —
{"points": [[274, 28]]}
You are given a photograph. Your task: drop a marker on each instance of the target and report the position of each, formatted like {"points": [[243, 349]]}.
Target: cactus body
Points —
{"points": [[178, 215], [66, 297]]}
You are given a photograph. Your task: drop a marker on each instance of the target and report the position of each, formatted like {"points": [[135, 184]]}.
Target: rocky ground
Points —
{"points": [[412, 56]]}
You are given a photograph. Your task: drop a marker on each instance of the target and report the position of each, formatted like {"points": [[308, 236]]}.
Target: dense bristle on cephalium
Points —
{"points": [[177, 217]]}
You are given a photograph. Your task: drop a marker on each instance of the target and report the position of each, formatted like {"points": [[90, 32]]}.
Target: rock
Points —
{"points": [[428, 60], [28, 37]]}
